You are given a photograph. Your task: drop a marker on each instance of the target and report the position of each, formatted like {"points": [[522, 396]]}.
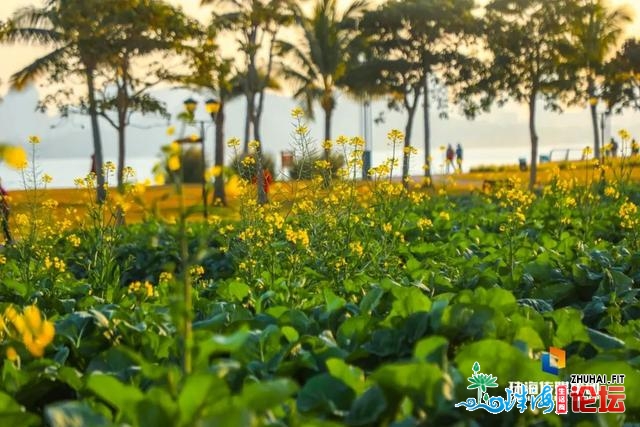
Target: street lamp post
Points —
{"points": [[190, 107]]}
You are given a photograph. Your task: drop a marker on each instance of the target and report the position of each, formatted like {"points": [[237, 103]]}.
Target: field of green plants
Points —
{"points": [[336, 304]]}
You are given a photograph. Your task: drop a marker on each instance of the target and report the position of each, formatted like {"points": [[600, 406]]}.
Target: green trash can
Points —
{"points": [[523, 164]]}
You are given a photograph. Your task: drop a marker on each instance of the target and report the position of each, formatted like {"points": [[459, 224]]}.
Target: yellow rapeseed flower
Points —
{"points": [[233, 142], [34, 139], [15, 157], [297, 113], [171, 130], [173, 163]]}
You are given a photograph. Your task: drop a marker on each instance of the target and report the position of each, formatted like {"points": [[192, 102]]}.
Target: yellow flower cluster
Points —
{"points": [[299, 237], [424, 223], [612, 192], [55, 263], [29, 328], [628, 213], [297, 113], [444, 215], [196, 271], [356, 248], [165, 277], [74, 240], [15, 157], [233, 142], [145, 289], [395, 136]]}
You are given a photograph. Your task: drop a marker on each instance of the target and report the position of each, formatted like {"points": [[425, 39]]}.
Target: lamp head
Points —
{"points": [[190, 105], [212, 105]]}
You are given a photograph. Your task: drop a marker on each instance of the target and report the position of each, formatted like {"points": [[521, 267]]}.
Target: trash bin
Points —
{"points": [[545, 158], [523, 164]]}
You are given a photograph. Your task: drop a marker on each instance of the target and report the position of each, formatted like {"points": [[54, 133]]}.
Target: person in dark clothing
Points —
{"points": [[450, 157], [459, 158], [4, 214]]}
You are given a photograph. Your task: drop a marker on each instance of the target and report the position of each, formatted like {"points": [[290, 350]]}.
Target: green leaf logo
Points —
{"points": [[481, 382]]}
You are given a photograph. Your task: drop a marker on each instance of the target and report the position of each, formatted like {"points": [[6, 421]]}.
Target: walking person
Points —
{"points": [[4, 214], [450, 157], [459, 157]]}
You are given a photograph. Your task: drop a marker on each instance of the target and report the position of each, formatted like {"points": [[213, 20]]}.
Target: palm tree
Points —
{"points": [[596, 30], [321, 59], [256, 24], [71, 28]]}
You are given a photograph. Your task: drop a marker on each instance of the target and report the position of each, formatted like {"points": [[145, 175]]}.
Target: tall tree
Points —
{"points": [[523, 37], [136, 29], [256, 24], [215, 74], [320, 59], [595, 31], [414, 48], [621, 86], [72, 29]]}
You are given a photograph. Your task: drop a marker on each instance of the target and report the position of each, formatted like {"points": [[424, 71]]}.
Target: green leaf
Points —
{"points": [[290, 333], [12, 413], [367, 409], [235, 291], [350, 375], [529, 336], [199, 390], [332, 301], [569, 327], [263, 396], [324, 394], [121, 396], [432, 349], [371, 299], [604, 341], [408, 301], [73, 414]]}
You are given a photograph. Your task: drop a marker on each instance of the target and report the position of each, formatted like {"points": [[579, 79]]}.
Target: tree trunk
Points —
{"points": [[427, 131], [121, 155], [219, 195], [247, 124], [534, 140], [594, 119], [328, 113], [101, 192]]}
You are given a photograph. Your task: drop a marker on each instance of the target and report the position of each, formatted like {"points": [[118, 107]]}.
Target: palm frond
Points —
{"points": [[38, 67]]}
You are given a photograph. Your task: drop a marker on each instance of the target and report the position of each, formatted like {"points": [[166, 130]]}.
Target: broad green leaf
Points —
{"points": [[266, 395], [367, 408], [432, 349], [332, 301], [290, 333], [529, 336], [371, 299], [121, 396], [569, 327], [350, 375], [423, 382], [604, 341], [198, 391], [408, 300], [324, 394]]}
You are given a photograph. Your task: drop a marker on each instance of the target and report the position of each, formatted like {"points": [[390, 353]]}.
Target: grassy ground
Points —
{"points": [[162, 200]]}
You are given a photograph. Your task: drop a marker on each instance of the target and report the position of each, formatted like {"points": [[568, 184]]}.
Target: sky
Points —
{"points": [[504, 130]]}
